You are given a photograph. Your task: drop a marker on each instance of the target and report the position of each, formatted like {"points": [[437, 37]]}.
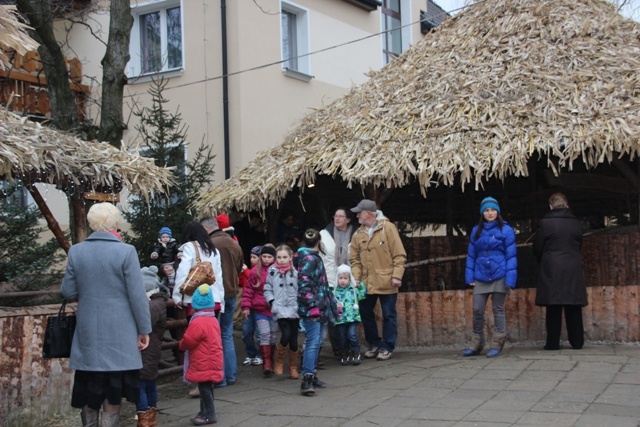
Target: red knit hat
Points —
{"points": [[223, 221]]}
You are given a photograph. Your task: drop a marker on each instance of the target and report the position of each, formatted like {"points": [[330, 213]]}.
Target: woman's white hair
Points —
{"points": [[103, 217]]}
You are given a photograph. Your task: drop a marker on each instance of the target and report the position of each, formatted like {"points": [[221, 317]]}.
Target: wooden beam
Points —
{"points": [[48, 216], [41, 81]]}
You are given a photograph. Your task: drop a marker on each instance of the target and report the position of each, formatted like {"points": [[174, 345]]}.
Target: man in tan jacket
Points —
{"points": [[377, 259]]}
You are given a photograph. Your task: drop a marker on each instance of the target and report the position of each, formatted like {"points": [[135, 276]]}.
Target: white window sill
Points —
{"points": [[297, 75], [146, 78]]}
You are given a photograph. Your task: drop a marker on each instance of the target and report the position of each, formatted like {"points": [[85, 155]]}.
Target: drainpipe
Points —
{"points": [[225, 89]]}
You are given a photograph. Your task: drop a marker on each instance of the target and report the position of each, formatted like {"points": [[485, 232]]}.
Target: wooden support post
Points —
{"points": [[79, 219]]}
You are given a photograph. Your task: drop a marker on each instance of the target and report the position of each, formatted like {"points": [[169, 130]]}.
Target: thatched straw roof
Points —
{"points": [[500, 82], [12, 35], [32, 152]]}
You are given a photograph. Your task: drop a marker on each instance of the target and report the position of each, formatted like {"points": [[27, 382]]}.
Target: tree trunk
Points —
{"points": [[113, 76], [64, 113]]}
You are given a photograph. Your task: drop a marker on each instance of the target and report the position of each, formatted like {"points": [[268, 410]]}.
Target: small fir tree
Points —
{"points": [[26, 262], [163, 138]]}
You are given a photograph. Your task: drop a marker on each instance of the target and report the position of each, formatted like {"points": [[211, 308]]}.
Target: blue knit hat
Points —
{"points": [[165, 230], [202, 298], [256, 250], [489, 202]]}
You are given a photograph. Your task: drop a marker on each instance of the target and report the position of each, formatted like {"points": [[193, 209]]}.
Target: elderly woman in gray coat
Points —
{"points": [[103, 275]]}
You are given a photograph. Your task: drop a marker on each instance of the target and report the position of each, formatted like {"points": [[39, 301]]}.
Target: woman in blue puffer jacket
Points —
{"points": [[491, 270]]}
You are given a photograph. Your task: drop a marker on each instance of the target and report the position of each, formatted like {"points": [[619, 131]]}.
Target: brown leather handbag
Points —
{"points": [[200, 273]]}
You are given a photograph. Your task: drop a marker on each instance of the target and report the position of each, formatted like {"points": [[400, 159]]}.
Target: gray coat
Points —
{"points": [[103, 274], [283, 291]]}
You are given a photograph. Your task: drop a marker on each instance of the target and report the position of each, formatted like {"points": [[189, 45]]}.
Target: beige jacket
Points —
{"points": [[376, 260]]}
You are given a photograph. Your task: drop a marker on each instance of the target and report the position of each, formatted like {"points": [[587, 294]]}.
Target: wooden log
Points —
{"points": [[633, 318], [459, 316], [437, 316], [596, 312], [401, 320], [176, 324], [608, 312], [424, 319], [411, 317], [587, 316], [449, 316], [620, 318]]}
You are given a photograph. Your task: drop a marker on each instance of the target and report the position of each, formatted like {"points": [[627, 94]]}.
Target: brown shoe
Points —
{"points": [[143, 419], [153, 417], [194, 393]]}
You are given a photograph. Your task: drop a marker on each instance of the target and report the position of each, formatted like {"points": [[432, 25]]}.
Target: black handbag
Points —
{"points": [[59, 334]]}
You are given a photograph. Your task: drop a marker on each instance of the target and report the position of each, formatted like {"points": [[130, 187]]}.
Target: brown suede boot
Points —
{"points": [[143, 419], [153, 417], [497, 343], [278, 365], [293, 365]]}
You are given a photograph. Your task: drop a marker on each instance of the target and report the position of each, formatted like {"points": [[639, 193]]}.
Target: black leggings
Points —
{"points": [[289, 336]]}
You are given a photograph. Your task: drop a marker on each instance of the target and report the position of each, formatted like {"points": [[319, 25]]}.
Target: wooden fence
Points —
{"points": [[433, 318]]}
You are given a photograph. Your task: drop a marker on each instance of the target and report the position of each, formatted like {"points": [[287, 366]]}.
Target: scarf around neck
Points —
{"points": [[283, 268]]}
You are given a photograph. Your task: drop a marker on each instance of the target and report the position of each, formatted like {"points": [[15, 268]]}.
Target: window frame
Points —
{"points": [[303, 63], [404, 31], [135, 66]]}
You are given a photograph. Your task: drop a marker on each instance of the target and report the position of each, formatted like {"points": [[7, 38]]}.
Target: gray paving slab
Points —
{"points": [[525, 386]]}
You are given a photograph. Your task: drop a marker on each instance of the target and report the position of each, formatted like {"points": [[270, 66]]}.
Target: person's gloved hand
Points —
{"points": [[314, 312]]}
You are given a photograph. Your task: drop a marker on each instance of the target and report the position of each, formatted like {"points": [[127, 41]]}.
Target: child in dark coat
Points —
{"points": [[166, 250], [147, 406], [203, 360]]}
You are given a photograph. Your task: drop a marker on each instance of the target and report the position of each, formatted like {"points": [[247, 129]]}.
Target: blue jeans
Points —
{"points": [[348, 337], [226, 330], [389, 323], [148, 395], [248, 333], [313, 331]]}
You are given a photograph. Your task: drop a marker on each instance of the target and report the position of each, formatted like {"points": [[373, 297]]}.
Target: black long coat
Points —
{"points": [[557, 245], [152, 354]]}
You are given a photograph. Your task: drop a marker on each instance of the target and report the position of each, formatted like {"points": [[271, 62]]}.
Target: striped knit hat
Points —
{"points": [[489, 202]]}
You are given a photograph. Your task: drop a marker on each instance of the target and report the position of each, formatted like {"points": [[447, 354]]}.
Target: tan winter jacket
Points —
{"points": [[376, 260]]}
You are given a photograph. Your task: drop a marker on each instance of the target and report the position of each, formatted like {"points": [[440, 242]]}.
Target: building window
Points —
{"points": [[295, 38], [156, 38], [392, 25]]}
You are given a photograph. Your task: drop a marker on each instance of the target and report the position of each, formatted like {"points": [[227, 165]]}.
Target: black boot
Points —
{"points": [[306, 389], [345, 359], [356, 359], [317, 382]]}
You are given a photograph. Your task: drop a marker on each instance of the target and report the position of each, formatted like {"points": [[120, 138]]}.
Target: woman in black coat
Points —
{"points": [[561, 284]]}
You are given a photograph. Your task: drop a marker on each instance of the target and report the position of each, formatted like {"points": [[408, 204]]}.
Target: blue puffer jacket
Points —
{"points": [[492, 255]]}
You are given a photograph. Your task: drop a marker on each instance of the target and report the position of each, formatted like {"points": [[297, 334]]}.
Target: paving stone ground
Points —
{"points": [[597, 386], [526, 386]]}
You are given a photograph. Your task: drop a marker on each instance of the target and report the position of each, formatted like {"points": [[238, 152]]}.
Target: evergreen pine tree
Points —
{"points": [[163, 138], [26, 263]]}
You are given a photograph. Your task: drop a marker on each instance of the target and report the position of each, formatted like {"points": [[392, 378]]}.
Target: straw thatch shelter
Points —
{"points": [[505, 89], [32, 153], [12, 35]]}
